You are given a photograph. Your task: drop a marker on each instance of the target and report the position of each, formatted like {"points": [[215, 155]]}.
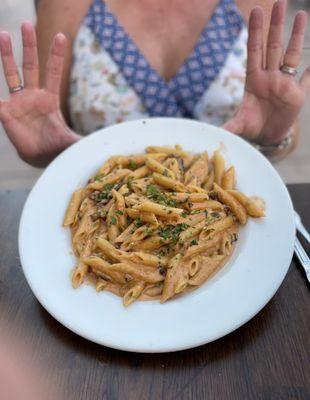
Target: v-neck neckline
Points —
{"points": [[187, 59], [178, 95]]}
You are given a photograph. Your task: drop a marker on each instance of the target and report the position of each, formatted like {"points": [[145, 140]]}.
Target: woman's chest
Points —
{"points": [[165, 32]]}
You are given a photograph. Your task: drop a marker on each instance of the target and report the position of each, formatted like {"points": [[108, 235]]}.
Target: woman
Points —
{"points": [[137, 58]]}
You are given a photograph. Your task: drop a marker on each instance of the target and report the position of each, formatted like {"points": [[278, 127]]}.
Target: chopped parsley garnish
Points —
{"points": [[108, 186], [154, 194], [207, 213], [113, 221], [119, 212], [172, 203], [99, 176], [164, 251], [151, 191], [171, 232], [149, 231], [184, 214], [215, 214], [194, 242], [165, 173], [195, 212], [138, 222], [132, 164], [104, 194], [129, 184]]}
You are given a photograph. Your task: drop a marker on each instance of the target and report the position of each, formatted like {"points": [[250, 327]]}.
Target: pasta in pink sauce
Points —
{"points": [[155, 225]]}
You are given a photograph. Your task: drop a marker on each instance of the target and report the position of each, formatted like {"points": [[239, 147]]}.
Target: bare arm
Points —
{"points": [[56, 16]]}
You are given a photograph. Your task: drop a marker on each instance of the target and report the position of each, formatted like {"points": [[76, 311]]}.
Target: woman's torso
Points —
{"points": [[112, 81]]}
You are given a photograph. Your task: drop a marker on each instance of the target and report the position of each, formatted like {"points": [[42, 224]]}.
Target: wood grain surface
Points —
{"points": [[268, 358]]}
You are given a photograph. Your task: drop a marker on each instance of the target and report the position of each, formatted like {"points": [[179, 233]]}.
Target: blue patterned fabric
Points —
{"points": [[178, 97]]}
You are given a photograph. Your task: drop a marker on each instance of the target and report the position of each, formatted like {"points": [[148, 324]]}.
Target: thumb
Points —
{"points": [[234, 125]]}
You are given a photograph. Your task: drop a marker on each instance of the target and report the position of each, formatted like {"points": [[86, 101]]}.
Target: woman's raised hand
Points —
{"points": [[31, 116], [272, 98]]}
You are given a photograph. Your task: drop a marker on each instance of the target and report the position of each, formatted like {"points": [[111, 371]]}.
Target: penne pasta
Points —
{"points": [[139, 173], [79, 274], [148, 217], [205, 205], [133, 293], [156, 225], [228, 179], [100, 284], [145, 258], [174, 166], [209, 266], [113, 229], [113, 177], [171, 278], [207, 246], [168, 183], [103, 268], [208, 185], [126, 233], [166, 150], [73, 207], [216, 227], [138, 272], [156, 166], [229, 200], [218, 167], [158, 209], [198, 171], [153, 291], [108, 249], [252, 209], [191, 232], [151, 243], [119, 209], [193, 265]]}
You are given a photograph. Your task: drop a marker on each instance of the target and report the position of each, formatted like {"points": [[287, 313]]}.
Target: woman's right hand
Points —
{"points": [[32, 117]]}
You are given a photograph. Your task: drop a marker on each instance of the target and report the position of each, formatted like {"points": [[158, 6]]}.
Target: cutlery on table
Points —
{"points": [[302, 257], [298, 248], [300, 227]]}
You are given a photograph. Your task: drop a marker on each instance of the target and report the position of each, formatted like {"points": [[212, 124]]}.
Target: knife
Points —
{"points": [[302, 257], [300, 227]]}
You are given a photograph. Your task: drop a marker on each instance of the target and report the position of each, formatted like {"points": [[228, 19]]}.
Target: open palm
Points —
{"points": [[32, 116], [272, 99]]}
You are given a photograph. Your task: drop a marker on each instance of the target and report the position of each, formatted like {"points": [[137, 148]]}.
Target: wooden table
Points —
{"points": [[268, 358]]}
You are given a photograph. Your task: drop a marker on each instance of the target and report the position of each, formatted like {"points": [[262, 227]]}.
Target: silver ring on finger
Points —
{"points": [[286, 69], [16, 89]]}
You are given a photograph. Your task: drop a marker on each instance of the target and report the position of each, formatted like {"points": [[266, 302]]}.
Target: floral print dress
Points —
{"points": [[111, 81]]}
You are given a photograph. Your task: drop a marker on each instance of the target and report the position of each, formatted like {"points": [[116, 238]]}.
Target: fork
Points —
{"points": [[303, 257], [300, 227]]}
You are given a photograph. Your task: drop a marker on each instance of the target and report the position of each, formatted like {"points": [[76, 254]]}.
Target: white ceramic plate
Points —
{"points": [[233, 296]]}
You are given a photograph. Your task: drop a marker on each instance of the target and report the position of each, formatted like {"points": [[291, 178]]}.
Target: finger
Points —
{"points": [[55, 62], [30, 56], [305, 81], [8, 62], [294, 49], [234, 125], [275, 36], [255, 41]]}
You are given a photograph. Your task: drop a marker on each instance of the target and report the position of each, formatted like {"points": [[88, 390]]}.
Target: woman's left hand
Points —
{"points": [[272, 99]]}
